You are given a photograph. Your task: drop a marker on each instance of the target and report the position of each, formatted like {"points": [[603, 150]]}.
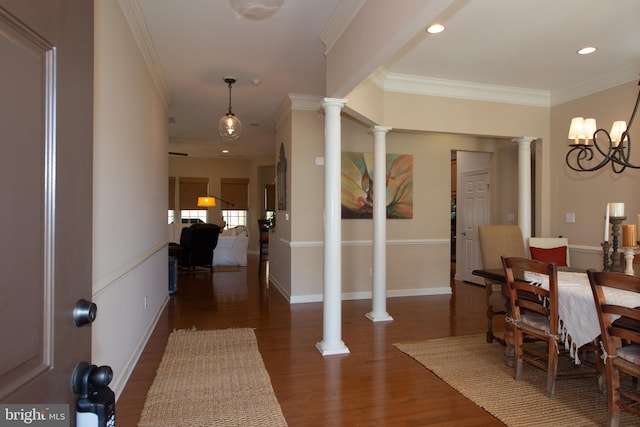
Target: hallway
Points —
{"points": [[375, 384]]}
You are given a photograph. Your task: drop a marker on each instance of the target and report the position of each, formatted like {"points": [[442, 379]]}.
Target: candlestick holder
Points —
{"points": [[628, 259], [616, 226], [606, 247]]}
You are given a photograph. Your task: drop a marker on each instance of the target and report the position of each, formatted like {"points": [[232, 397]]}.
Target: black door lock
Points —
{"points": [[84, 313]]}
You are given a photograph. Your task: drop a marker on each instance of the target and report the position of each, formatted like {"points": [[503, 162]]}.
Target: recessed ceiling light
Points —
{"points": [[225, 151], [586, 50], [435, 29]]}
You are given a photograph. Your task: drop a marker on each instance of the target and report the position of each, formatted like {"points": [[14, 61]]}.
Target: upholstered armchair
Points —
{"points": [[198, 243], [496, 241]]}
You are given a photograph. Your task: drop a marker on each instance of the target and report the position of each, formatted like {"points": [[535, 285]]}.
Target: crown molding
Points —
{"points": [[135, 19], [299, 102], [404, 83], [616, 77], [339, 20]]}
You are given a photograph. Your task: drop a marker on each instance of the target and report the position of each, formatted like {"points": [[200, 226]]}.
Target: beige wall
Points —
{"points": [[130, 197], [586, 194], [417, 249], [280, 253]]}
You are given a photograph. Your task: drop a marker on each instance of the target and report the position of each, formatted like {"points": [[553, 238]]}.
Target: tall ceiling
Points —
{"points": [[274, 48]]}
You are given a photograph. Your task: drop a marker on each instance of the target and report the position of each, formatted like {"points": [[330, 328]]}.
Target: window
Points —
{"points": [[235, 191], [172, 216], [235, 217], [193, 216]]}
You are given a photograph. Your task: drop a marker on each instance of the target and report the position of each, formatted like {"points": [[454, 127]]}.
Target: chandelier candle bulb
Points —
{"points": [[616, 209], [628, 235]]}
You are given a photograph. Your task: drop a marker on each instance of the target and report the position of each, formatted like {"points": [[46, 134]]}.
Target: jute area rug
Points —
{"points": [[477, 370], [211, 378]]}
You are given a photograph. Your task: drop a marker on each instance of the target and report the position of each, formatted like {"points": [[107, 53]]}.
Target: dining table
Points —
{"points": [[578, 319]]}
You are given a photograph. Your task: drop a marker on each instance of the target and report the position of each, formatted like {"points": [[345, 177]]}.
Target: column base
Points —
{"points": [[330, 350], [379, 317]]}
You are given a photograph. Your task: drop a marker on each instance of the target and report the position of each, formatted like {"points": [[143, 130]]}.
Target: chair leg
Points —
{"points": [[552, 368], [517, 346], [490, 324], [613, 397]]}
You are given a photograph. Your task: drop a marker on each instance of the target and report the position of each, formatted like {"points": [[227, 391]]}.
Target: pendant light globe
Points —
{"points": [[229, 126]]}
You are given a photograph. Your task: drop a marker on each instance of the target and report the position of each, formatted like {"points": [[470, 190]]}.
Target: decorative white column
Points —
{"points": [[524, 185], [332, 306], [379, 297]]}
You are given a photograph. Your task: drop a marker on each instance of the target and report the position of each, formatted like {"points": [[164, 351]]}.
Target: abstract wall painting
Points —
{"points": [[357, 185]]}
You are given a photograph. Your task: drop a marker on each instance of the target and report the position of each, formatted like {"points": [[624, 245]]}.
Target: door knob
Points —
{"points": [[84, 312]]}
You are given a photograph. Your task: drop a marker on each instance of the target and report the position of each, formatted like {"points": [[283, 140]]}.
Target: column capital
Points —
{"points": [[333, 102], [380, 129], [524, 139]]}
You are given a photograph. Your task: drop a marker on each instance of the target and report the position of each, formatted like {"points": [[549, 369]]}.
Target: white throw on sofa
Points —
{"points": [[232, 247]]}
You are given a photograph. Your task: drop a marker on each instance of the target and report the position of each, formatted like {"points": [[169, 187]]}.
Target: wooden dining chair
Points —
{"points": [[620, 328], [534, 315]]}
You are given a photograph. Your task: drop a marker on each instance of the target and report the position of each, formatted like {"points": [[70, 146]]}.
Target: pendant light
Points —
{"points": [[229, 126]]}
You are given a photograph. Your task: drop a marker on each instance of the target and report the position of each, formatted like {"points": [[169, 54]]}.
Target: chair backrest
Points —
{"points": [[546, 249], [529, 293], [199, 241], [498, 240], [627, 326]]}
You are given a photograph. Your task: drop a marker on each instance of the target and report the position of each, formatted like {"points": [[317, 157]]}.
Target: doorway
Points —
{"points": [[472, 208]]}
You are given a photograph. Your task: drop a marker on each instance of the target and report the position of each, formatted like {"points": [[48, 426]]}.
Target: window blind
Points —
{"points": [[190, 190], [236, 191]]}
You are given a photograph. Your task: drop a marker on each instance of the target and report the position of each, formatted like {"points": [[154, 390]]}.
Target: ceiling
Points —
{"points": [[274, 48]]}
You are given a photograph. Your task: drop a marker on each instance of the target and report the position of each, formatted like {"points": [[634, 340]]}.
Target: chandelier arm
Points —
{"points": [[609, 143], [618, 155], [633, 114], [583, 153]]}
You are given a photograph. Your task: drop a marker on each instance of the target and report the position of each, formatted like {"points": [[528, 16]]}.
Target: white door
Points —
{"points": [[46, 146], [473, 210]]}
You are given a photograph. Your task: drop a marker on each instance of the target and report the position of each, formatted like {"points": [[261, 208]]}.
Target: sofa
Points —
{"points": [[232, 247]]}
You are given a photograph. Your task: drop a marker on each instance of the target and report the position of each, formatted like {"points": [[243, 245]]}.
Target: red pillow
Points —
{"points": [[557, 255]]}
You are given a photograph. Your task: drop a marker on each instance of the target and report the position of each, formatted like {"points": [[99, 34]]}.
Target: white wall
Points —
{"points": [[130, 196]]}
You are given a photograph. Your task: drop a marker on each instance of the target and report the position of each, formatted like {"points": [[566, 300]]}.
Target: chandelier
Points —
{"points": [[612, 148], [229, 126]]}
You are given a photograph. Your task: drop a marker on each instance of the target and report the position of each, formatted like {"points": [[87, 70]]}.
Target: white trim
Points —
{"points": [[405, 242], [405, 83], [138, 27], [419, 85], [122, 378], [339, 21], [112, 278], [614, 78], [442, 290]]}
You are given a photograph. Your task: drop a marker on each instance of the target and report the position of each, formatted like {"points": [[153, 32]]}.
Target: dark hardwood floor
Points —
{"points": [[374, 385]]}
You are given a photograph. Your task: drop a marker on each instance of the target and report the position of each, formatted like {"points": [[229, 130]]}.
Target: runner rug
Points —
{"points": [[477, 370], [211, 378]]}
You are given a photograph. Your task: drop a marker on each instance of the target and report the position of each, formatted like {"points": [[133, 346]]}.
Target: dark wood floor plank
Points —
{"points": [[374, 385]]}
